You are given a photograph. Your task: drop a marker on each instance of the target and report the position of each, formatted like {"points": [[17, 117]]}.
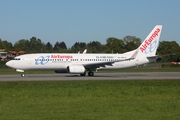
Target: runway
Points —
{"points": [[97, 76]]}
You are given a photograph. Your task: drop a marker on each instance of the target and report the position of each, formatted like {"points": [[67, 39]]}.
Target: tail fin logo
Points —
{"points": [[152, 47], [148, 42]]}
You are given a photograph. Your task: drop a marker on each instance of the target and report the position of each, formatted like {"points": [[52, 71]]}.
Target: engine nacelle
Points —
{"points": [[76, 69]]}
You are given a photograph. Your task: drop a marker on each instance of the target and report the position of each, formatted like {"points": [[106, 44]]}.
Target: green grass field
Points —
{"points": [[90, 100]]}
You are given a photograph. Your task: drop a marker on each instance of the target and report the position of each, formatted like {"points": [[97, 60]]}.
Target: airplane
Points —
{"points": [[75, 63]]}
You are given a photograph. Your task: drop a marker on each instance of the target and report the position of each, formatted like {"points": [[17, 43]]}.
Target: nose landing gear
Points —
{"points": [[22, 75], [22, 71]]}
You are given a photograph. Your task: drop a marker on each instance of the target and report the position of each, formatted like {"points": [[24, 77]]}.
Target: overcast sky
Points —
{"points": [[87, 20]]}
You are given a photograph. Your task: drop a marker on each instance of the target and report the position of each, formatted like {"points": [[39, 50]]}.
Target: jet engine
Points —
{"points": [[76, 69]]}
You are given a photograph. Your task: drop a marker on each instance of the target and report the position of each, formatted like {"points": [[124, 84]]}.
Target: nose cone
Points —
{"points": [[9, 64]]}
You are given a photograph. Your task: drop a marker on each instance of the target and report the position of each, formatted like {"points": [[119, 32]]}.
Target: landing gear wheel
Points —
{"points": [[22, 75], [90, 73], [83, 74]]}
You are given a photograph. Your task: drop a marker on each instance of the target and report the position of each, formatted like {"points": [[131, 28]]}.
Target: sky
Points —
{"points": [[87, 20]]}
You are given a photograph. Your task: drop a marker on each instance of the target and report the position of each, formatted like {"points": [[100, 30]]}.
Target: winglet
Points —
{"points": [[84, 52]]}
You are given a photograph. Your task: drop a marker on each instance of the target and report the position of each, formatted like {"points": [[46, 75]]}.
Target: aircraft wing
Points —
{"points": [[93, 66], [102, 64], [97, 65]]}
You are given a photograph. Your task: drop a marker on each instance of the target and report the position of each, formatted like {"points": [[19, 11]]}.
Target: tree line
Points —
{"points": [[113, 45]]}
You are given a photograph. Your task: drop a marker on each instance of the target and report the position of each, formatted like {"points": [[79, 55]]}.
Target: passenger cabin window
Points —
{"points": [[16, 59]]}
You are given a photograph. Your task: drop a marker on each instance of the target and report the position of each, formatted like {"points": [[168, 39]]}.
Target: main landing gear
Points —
{"points": [[90, 73]]}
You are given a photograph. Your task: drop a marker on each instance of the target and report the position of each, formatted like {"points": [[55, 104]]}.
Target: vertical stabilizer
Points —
{"points": [[149, 46]]}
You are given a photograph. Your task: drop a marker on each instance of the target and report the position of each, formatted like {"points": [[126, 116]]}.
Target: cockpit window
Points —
{"points": [[16, 58]]}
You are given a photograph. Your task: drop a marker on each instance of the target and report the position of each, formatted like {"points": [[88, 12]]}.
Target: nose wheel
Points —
{"points": [[22, 75]]}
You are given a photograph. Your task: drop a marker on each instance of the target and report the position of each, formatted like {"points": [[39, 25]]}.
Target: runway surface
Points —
{"points": [[97, 76]]}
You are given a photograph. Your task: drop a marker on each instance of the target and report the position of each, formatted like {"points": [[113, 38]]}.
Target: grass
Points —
{"points": [[90, 100]]}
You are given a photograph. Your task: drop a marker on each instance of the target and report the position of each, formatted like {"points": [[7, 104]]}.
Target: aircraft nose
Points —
{"points": [[9, 63]]}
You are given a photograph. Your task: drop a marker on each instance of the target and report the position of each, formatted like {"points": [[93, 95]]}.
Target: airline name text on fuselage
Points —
{"points": [[62, 56]]}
